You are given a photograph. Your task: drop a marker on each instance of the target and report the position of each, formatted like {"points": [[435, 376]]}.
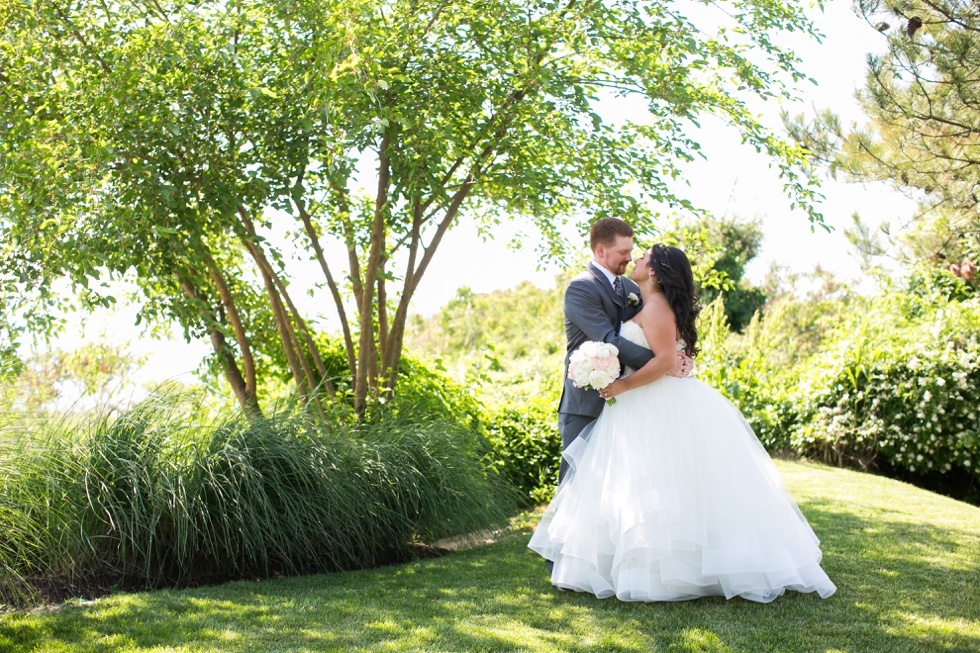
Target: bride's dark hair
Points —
{"points": [[674, 272]]}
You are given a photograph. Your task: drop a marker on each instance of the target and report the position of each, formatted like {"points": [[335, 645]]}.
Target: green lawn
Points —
{"points": [[906, 563]]}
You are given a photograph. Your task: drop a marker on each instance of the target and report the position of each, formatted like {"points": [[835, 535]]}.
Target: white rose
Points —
{"points": [[599, 379], [605, 350]]}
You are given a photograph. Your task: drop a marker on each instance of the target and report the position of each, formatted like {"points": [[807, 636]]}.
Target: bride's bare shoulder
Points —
{"points": [[655, 304], [656, 311]]}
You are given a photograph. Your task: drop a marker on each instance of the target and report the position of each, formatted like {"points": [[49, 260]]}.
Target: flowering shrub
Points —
{"points": [[891, 382], [899, 385]]}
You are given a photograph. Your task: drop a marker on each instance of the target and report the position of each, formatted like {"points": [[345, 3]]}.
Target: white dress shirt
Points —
{"points": [[609, 275]]}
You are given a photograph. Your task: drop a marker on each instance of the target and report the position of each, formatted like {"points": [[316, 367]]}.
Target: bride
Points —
{"points": [[670, 496]]}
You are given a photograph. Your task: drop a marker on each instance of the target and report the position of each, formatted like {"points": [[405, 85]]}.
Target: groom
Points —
{"points": [[597, 302]]}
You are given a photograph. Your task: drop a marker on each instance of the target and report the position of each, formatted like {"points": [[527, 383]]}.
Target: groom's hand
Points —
{"points": [[683, 366]]}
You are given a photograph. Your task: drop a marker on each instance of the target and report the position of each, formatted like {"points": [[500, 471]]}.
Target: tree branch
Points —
{"points": [[331, 284], [81, 39]]}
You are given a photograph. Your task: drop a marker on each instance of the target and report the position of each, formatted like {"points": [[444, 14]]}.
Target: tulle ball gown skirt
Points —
{"points": [[669, 497]]}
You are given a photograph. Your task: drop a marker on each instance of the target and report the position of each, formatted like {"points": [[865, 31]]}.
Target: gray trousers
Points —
{"points": [[569, 426]]}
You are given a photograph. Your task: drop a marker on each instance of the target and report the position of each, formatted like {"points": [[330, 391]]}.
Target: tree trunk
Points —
{"points": [[367, 348], [246, 398], [282, 294], [236, 324], [297, 364], [393, 348], [334, 290]]}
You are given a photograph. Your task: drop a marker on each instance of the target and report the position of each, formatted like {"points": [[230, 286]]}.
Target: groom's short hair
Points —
{"points": [[605, 230]]}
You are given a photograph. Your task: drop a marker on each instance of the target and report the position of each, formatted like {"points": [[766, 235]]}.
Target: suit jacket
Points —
{"points": [[594, 311]]}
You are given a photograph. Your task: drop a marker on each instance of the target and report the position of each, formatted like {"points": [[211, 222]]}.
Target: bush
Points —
{"points": [[898, 386], [527, 446], [422, 392], [151, 498], [751, 370], [893, 385]]}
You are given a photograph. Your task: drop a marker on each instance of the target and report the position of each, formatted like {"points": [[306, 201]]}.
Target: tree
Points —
{"points": [[88, 374], [200, 146], [734, 243], [923, 100]]}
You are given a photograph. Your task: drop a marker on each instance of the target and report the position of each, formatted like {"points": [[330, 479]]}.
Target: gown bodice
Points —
{"points": [[634, 333]]}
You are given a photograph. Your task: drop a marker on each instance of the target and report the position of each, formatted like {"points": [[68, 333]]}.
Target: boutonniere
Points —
{"points": [[632, 299]]}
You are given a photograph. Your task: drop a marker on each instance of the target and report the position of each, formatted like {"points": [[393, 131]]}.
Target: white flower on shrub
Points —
{"points": [[940, 381]]}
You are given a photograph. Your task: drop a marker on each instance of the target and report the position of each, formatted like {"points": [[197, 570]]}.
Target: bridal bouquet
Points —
{"points": [[594, 365]]}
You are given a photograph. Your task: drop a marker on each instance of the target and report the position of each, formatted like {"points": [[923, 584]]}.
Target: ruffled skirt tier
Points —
{"points": [[670, 496]]}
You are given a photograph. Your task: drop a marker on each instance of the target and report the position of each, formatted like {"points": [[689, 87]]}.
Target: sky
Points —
{"points": [[733, 181]]}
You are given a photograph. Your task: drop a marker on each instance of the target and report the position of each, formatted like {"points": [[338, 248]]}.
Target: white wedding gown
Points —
{"points": [[670, 496]]}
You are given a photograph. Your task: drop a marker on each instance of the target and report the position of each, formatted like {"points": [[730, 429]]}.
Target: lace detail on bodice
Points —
{"points": [[634, 333]]}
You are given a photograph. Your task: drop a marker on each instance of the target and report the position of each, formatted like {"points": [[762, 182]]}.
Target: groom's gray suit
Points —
{"points": [[594, 311]]}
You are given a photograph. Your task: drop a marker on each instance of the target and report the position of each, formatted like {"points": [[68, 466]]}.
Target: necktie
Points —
{"points": [[618, 287]]}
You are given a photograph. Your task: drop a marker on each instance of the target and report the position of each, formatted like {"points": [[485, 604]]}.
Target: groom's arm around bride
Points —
{"points": [[597, 302]]}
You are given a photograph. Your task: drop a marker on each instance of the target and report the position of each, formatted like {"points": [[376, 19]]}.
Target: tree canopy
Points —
{"points": [[735, 242], [206, 148], [922, 98]]}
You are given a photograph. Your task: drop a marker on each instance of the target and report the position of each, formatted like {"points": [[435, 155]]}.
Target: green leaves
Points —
{"points": [[921, 101], [155, 137]]}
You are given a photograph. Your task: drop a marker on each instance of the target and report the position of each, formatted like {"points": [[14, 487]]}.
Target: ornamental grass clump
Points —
{"points": [[151, 498]]}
